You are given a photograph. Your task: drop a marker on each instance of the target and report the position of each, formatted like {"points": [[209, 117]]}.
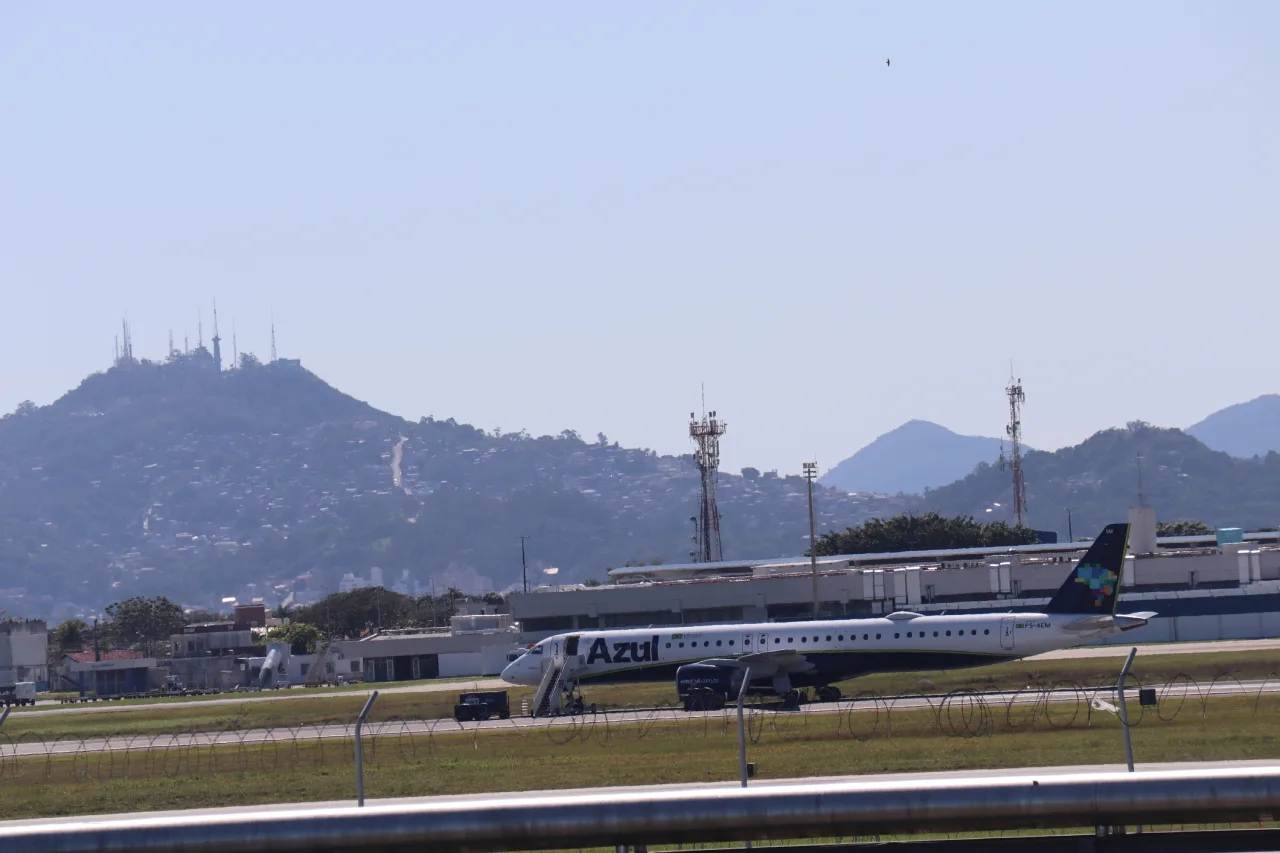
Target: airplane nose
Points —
{"points": [[509, 674]]}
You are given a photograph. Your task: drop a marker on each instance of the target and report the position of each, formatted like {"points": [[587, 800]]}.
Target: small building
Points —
{"points": [[108, 673], [474, 645], [24, 652]]}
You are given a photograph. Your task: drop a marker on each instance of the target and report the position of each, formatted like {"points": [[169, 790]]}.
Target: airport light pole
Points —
{"points": [[524, 566], [810, 472]]}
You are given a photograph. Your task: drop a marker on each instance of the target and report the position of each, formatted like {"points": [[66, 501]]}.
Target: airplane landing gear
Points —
{"points": [[829, 693]]}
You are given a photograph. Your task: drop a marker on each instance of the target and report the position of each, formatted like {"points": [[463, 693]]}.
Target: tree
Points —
{"points": [[1183, 528], [200, 617], [71, 635], [302, 637], [248, 361], [928, 532], [749, 473], [348, 614], [141, 622]]}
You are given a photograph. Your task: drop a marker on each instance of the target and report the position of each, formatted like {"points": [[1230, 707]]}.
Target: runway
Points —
{"points": [[1085, 652], [29, 747]]}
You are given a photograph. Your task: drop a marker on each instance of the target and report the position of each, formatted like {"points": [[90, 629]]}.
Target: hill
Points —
{"points": [[177, 478], [916, 456], [1245, 429], [1181, 478]]}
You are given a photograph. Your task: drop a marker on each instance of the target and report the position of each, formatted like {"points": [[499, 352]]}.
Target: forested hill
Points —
{"points": [[1098, 478], [183, 480]]}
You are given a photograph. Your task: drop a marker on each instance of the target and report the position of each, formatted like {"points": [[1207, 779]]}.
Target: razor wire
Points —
{"points": [[407, 742]]}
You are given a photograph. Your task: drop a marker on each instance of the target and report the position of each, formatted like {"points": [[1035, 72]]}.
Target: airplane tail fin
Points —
{"points": [[1094, 586]]}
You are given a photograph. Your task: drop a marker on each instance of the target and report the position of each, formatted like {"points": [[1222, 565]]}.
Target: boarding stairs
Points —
{"points": [[549, 698]]}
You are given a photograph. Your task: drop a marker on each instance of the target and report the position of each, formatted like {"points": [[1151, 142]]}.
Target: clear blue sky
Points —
{"points": [[560, 215]]}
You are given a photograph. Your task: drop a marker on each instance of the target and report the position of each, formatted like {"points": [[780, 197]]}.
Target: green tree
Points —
{"points": [[1183, 528], [750, 473], [142, 622], [927, 532], [350, 614], [199, 617], [71, 636], [302, 637]]}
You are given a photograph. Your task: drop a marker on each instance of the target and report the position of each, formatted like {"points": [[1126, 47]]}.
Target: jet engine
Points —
{"points": [[707, 686]]}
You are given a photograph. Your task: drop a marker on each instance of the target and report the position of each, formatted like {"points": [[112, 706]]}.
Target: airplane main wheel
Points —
{"points": [[829, 694], [792, 700]]}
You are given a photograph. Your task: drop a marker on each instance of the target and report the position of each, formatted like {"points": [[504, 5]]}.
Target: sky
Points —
{"points": [[577, 216]]}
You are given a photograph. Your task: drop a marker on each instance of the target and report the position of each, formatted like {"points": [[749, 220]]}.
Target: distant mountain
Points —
{"points": [[916, 456], [1245, 429], [1181, 478], [181, 479]]}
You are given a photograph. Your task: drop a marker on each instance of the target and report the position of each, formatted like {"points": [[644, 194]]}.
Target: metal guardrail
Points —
{"points": [[688, 815]]}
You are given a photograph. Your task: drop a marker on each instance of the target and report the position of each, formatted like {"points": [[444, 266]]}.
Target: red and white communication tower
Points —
{"points": [[706, 434], [1014, 431]]}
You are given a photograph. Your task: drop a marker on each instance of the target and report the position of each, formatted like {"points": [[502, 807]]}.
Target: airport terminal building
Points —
{"points": [[1221, 586]]}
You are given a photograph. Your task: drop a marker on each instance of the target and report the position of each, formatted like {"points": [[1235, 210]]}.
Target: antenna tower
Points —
{"points": [[273, 339], [235, 349], [199, 329], [217, 341], [706, 434], [171, 342], [1014, 431]]}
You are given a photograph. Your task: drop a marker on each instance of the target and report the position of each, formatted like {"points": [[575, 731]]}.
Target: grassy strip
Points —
{"points": [[665, 751], [250, 714]]}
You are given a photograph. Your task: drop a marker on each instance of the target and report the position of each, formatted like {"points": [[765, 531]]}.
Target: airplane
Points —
{"points": [[708, 662]]}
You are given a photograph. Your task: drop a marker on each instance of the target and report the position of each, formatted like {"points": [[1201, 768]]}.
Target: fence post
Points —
{"points": [[742, 738], [5, 715], [360, 749], [1124, 709]]}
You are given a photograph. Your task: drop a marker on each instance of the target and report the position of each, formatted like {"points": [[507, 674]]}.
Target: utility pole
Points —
{"points": [[810, 472], [524, 565]]}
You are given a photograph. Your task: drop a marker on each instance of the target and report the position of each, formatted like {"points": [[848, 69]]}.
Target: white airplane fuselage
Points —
{"points": [[813, 653]]}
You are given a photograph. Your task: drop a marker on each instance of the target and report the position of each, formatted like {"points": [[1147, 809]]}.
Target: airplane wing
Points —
{"points": [[766, 664]]}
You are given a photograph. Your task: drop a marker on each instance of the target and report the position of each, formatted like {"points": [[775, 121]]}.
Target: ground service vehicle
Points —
{"points": [[482, 706], [22, 693]]}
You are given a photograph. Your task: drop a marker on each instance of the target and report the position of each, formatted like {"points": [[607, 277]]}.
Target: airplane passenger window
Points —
{"points": [[986, 630], [804, 639], [717, 642], [896, 635], [842, 637], [777, 639], [974, 632], [682, 645], [877, 636], [731, 642], [935, 633], [815, 639], [829, 638], [908, 635], [865, 637], [668, 645], [948, 633]]}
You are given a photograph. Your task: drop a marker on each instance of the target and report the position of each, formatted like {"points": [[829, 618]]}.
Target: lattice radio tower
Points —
{"points": [[706, 434], [1014, 431]]}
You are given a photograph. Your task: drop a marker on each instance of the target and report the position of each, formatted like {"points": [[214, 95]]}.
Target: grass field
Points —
{"points": [[788, 745], [290, 713]]}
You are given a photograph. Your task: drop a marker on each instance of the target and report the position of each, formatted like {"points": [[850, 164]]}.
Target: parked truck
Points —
{"points": [[483, 705], [22, 693]]}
